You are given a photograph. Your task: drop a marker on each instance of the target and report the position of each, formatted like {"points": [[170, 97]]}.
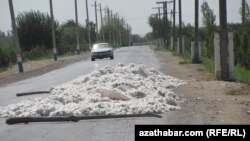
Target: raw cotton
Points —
{"points": [[146, 91]]}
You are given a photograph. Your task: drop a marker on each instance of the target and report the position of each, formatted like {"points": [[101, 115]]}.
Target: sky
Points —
{"points": [[135, 12]]}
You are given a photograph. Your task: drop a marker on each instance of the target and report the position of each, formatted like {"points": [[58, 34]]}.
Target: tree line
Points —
{"points": [[163, 29], [35, 36]]}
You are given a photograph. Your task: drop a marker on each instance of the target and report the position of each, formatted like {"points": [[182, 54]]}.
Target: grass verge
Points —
{"points": [[208, 64], [241, 74], [160, 48]]}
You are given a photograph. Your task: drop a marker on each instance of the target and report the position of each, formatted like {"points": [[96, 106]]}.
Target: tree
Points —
{"points": [[160, 27], [67, 37], [148, 37], [115, 29], [7, 52], [210, 26], [34, 29], [208, 18], [244, 51], [6, 40], [136, 38], [245, 16]]}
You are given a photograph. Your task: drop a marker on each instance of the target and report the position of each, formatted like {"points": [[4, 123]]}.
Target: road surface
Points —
{"points": [[205, 100], [91, 130]]}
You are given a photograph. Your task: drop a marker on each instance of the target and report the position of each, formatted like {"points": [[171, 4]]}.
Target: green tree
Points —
{"points": [[115, 28], [67, 37], [161, 28], [7, 53], [34, 29], [136, 38], [245, 51], [237, 48], [210, 26], [208, 18]]}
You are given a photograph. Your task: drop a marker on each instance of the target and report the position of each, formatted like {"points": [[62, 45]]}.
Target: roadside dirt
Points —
{"points": [[205, 100], [35, 68]]}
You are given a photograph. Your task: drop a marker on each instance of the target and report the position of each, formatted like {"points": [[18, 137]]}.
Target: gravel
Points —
{"points": [[148, 91]]}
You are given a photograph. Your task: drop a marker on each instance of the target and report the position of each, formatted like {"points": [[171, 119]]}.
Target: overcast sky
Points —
{"points": [[136, 12]]}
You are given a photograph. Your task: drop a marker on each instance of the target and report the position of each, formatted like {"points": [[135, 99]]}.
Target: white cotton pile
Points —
{"points": [[148, 90]]}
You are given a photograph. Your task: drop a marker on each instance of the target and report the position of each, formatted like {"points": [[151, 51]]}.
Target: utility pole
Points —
{"points": [[120, 37], [123, 32], [159, 11], [101, 22], [88, 27], [77, 30], [53, 31], [128, 33], [174, 45], [165, 11], [224, 54], [109, 21], [196, 34], [96, 21], [16, 39], [113, 38], [243, 14], [180, 28], [165, 19]]}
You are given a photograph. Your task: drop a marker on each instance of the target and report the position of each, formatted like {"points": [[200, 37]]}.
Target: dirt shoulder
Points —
{"points": [[35, 68], [205, 100]]}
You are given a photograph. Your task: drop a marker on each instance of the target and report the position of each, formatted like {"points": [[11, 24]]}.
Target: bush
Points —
{"points": [[241, 74], [7, 56], [37, 53], [208, 64]]}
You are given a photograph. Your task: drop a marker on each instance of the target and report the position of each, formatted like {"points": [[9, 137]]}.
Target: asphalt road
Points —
{"points": [[89, 130]]}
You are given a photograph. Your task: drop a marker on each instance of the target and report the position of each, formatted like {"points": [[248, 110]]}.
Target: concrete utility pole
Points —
{"points": [[128, 33], [113, 38], [196, 34], [114, 30], [53, 31], [123, 33], [109, 21], [165, 20], [77, 30], [87, 23], [101, 22], [243, 14], [180, 28], [174, 37], [165, 11], [96, 21], [16, 39], [225, 75]]}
